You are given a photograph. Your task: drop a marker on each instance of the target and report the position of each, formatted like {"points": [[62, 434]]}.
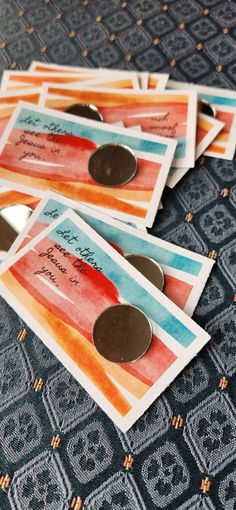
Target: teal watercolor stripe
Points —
{"points": [[223, 101], [180, 150], [98, 136], [129, 289], [128, 242]]}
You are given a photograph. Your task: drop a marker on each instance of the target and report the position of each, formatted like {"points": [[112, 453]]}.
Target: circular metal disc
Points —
{"points": [[207, 108], [88, 111], [12, 221], [122, 333], [112, 165], [149, 268]]}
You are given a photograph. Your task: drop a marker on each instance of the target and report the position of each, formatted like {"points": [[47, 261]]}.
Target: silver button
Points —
{"points": [[122, 333], [12, 221], [88, 111], [112, 165], [149, 268], [207, 108]]}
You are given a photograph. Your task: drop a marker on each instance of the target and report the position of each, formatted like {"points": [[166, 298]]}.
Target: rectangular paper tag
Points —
{"points": [[143, 77], [55, 283], [164, 113], [224, 101], [207, 129], [13, 80], [43, 149], [185, 272]]}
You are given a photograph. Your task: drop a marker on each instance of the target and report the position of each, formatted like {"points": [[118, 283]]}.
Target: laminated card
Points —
{"points": [[14, 80], [43, 149], [185, 272], [62, 281], [224, 102], [164, 113]]}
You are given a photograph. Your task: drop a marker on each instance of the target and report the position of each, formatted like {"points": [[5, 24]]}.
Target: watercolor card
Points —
{"points": [[9, 100], [143, 77], [43, 149], [207, 129], [14, 80], [224, 101], [185, 272], [164, 113], [63, 280]]}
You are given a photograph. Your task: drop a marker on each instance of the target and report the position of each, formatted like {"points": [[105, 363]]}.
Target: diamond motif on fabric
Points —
{"points": [[177, 44], [225, 170], [20, 432], [10, 323], [203, 190], [119, 492], [185, 235], [222, 346], [210, 433], [151, 425], [227, 262], [221, 49], [212, 296], [191, 382], [41, 485], [218, 223], [194, 66], [15, 375], [165, 475], [227, 491], [152, 59], [186, 11], [203, 29], [66, 401], [44, 356], [90, 452], [134, 40]]}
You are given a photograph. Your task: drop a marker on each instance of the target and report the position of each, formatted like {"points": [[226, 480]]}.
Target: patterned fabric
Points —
{"points": [[184, 447]]}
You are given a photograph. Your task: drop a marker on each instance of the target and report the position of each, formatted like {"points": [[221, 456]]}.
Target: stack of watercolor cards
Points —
{"points": [[85, 155]]}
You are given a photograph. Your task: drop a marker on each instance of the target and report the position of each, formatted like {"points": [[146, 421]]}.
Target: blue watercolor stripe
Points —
{"points": [[98, 136], [128, 288], [127, 242], [223, 101]]}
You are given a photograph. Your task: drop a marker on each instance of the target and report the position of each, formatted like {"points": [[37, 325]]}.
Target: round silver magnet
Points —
{"points": [[88, 111], [122, 333], [112, 165], [207, 108], [149, 268]]}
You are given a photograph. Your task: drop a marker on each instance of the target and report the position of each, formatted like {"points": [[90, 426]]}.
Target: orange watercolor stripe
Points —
{"points": [[216, 148], [115, 99], [125, 84], [83, 193], [222, 137], [204, 124], [31, 98], [71, 342], [8, 198], [44, 69]]}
